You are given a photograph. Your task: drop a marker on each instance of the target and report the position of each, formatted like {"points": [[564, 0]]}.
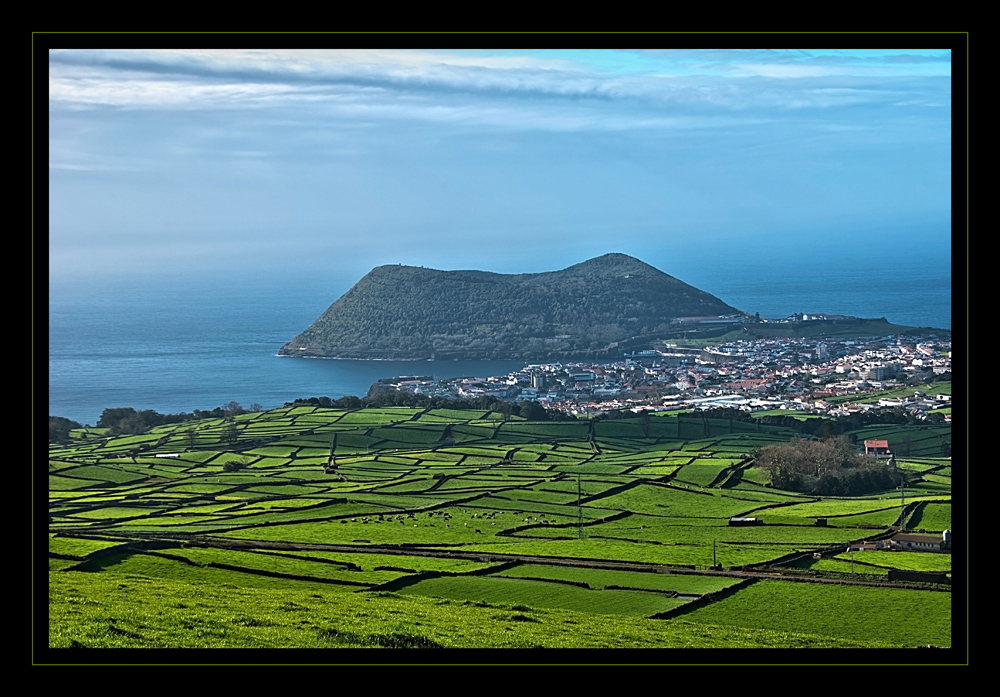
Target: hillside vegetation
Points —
{"points": [[586, 310]]}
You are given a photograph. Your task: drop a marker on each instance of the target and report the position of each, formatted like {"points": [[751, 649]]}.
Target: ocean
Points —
{"points": [[200, 343]]}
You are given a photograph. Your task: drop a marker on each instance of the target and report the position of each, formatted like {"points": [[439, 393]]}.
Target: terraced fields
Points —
{"points": [[576, 520]]}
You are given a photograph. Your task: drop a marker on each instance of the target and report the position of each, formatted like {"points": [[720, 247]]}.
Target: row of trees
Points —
{"points": [[829, 427], [533, 411], [126, 420]]}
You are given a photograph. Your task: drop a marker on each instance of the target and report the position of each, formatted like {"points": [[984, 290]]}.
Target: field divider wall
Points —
{"points": [[672, 594], [704, 600]]}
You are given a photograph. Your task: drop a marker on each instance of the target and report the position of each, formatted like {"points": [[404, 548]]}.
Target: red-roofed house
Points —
{"points": [[878, 448]]}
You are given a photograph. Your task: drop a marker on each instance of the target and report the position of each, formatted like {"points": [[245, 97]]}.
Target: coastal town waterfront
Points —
{"points": [[807, 375]]}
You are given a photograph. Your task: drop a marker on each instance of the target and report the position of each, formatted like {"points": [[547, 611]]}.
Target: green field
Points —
{"points": [[841, 611], [410, 540]]}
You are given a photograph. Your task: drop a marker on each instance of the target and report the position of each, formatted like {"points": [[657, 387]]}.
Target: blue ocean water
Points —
{"points": [[177, 347]]}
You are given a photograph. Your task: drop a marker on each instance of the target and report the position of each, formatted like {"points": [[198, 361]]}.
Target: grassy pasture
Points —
{"points": [[906, 561], [840, 611], [514, 494], [57, 483], [78, 547], [289, 565], [659, 500], [654, 471], [931, 488], [656, 530], [933, 516], [881, 518], [597, 579], [837, 507], [699, 474], [696, 554], [540, 594], [114, 475], [116, 610], [417, 563]]}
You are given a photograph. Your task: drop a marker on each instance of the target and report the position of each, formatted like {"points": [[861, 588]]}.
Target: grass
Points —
{"points": [[599, 578], [137, 611], [543, 594], [452, 509], [901, 617]]}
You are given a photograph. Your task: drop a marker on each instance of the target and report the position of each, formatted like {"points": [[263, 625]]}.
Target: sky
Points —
{"points": [[297, 165]]}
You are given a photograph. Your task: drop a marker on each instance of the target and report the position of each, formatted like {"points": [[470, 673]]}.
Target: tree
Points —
{"points": [[644, 423], [239, 463], [232, 409], [59, 428], [231, 434], [831, 467], [533, 411]]}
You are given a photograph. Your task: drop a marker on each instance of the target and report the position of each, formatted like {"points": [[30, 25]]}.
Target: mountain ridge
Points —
{"points": [[585, 310]]}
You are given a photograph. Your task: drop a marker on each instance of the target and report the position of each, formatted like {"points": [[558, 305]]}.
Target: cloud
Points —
{"points": [[439, 82]]}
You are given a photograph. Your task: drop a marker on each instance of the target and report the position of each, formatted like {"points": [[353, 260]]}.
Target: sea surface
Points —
{"points": [[197, 344]]}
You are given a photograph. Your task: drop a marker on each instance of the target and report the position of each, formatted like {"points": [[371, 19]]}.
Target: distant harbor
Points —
{"points": [[788, 374]]}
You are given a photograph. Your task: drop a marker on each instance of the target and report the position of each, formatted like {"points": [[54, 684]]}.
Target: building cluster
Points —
{"points": [[796, 374]]}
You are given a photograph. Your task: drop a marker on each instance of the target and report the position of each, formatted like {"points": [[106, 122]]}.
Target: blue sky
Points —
{"points": [[298, 164]]}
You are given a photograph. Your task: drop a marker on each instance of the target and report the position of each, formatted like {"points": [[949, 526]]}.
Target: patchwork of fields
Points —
{"points": [[537, 534]]}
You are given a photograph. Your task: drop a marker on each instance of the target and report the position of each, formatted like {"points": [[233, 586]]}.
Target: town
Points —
{"points": [[766, 374]]}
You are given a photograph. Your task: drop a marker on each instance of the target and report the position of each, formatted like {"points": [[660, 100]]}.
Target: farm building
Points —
{"points": [[913, 542], [878, 448], [736, 522]]}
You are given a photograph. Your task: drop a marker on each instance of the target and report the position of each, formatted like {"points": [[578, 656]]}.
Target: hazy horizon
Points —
{"points": [[296, 166]]}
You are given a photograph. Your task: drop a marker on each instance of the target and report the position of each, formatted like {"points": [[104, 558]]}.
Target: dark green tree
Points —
{"points": [[231, 434], [644, 423]]}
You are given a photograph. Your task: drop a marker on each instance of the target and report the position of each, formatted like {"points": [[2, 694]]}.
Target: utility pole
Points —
{"points": [[333, 452], [902, 507]]}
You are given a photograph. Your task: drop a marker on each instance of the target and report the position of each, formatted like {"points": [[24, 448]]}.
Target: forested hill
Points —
{"points": [[586, 310]]}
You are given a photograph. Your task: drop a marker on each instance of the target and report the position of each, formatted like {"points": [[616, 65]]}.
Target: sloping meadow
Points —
{"points": [[610, 518]]}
